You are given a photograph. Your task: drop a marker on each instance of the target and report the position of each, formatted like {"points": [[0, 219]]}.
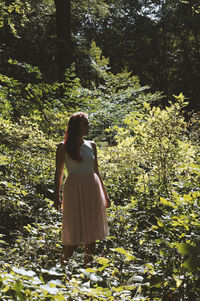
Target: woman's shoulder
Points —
{"points": [[90, 143], [60, 147]]}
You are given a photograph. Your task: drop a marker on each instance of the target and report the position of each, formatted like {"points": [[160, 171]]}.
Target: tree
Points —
{"points": [[63, 30]]}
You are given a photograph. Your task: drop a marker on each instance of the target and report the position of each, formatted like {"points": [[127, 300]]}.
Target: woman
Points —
{"points": [[84, 195]]}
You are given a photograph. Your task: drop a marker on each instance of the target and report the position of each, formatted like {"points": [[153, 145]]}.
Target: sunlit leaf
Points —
{"points": [[128, 256], [23, 272]]}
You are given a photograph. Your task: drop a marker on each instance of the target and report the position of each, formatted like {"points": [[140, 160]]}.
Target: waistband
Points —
{"points": [[81, 173]]}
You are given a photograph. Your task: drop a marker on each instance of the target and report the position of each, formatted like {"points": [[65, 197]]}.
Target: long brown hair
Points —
{"points": [[72, 134]]}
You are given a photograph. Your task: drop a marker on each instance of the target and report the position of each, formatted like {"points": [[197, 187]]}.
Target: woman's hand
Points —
{"points": [[57, 204], [108, 203]]}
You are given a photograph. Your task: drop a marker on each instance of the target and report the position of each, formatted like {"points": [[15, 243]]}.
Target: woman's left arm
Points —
{"points": [[60, 157], [96, 170]]}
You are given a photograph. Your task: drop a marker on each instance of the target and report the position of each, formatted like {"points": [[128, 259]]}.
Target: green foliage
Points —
{"points": [[12, 13], [47, 104], [160, 145], [155, 150], [110, 98], [113, 95], [156, 40], [195, 6], [149, 160], [27, 142], [148, 155]]}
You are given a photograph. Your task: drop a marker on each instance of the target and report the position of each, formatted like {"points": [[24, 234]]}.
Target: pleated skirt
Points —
{"points": [[84, 212]]}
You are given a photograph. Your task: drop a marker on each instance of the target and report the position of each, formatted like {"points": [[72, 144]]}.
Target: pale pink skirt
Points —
{"points": [[84, 211]]}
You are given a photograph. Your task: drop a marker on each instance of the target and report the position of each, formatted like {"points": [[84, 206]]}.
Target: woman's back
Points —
{"points": [[85, 166]]}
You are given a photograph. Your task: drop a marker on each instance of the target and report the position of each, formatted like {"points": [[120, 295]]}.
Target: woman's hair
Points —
{"points": [[71, 136]]}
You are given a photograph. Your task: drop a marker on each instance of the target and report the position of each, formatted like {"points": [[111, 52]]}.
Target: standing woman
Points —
{"points": [[84, 196]]}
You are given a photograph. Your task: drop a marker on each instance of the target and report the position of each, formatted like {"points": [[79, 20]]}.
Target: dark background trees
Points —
{"points": [[63, 31], [158, 40]]}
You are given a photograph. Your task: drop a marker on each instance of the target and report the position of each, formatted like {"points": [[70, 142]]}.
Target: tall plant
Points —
{"points": [[153, 152]]}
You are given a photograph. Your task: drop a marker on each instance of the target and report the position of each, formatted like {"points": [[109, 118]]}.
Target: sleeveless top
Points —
{"points": [[87, 165]]}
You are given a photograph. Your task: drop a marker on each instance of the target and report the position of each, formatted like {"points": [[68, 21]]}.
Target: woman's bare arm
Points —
{"points": [[60, 159], [96, 170]]}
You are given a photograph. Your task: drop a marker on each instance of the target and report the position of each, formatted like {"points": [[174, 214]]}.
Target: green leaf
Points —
{"points": [[160, 224], [184, 248], [178, 281], [128, 256], [166, 202]]}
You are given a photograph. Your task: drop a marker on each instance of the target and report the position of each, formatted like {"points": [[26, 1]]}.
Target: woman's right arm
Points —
{"points": [[96, 170], [60, 159]]}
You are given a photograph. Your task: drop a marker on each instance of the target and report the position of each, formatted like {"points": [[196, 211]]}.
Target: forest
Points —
{"points": [[134, 67]]}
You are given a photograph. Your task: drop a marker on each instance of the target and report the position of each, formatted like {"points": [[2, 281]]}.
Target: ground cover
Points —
{"points": [[150, 165]]}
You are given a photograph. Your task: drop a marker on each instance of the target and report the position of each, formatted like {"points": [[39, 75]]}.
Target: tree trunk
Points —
{"points": [[63, 30]]}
